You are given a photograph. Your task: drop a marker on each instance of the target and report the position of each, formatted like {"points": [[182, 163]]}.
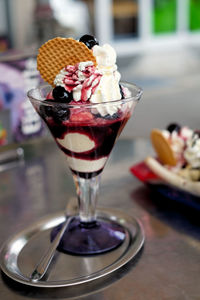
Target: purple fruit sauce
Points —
{"points": [[102, 131]]}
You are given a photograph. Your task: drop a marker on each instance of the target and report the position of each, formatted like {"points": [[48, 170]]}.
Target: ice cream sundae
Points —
{"points": [[85, 106], [85, 123]]}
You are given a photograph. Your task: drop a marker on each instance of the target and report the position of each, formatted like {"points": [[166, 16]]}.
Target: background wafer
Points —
{"points": [[57, 53], [163, 148]]}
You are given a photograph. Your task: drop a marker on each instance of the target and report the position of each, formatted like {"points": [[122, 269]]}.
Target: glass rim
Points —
{"points": [[88, 105]]}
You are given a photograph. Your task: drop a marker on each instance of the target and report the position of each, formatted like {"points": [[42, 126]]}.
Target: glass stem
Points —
{"points": [[87, 191]]}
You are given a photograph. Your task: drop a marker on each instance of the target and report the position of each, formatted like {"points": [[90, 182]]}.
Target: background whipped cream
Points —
{"points": [[178, 140], [192, 151]]}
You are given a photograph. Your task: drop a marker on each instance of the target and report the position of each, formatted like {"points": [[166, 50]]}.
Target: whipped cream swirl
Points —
{"points": [[108, 88], [81, 79], [97, 84]]}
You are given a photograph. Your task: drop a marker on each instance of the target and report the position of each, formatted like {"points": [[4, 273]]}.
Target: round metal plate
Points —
{"points": [[20, 254]]}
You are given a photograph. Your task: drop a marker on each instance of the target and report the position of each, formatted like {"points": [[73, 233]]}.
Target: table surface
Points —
{"points": [[167, 267]]}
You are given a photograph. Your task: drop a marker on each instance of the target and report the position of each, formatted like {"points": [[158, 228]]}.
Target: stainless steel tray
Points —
{"points": [[20, 254]]}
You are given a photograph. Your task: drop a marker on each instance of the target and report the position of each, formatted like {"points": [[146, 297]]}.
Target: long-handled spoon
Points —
{"points": [[45, 261]]}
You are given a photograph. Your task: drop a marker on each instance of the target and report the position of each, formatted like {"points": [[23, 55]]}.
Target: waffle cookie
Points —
{"points": [[57, 53], [163, 148]]}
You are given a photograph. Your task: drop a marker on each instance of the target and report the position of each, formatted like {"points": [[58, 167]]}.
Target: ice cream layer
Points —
{"points": [[76, 142], [81, 165]]}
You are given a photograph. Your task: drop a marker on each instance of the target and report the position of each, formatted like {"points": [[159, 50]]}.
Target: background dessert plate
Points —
{"points": [[145, 175]]}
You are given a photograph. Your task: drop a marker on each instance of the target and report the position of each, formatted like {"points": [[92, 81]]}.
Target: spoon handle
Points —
{"points": [[45, 261]]}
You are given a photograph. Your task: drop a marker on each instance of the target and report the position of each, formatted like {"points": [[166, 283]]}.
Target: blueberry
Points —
{"points": [[121, 92], [60, 94], [89, 40], [60, 113], [111, 117], [46, 110], [173, 127], [107, 117]]}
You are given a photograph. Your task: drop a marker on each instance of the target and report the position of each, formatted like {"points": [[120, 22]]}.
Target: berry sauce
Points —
{"points": [[102, 131]]}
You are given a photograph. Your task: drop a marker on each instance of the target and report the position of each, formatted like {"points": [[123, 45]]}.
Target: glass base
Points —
{"points": [[87, 239]]}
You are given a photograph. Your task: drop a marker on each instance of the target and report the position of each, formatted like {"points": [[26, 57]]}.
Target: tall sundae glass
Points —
{"points": [[86, 132]]}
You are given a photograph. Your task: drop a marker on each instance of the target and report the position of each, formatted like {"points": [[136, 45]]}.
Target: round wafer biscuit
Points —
{"points": [[57, 53], [163, 148]]}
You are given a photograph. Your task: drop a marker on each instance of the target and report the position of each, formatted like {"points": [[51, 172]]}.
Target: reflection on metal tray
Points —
{"points": [[21, 253]]}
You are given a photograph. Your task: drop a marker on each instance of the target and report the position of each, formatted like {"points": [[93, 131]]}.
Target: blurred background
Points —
{"points": [[158, 47]]}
